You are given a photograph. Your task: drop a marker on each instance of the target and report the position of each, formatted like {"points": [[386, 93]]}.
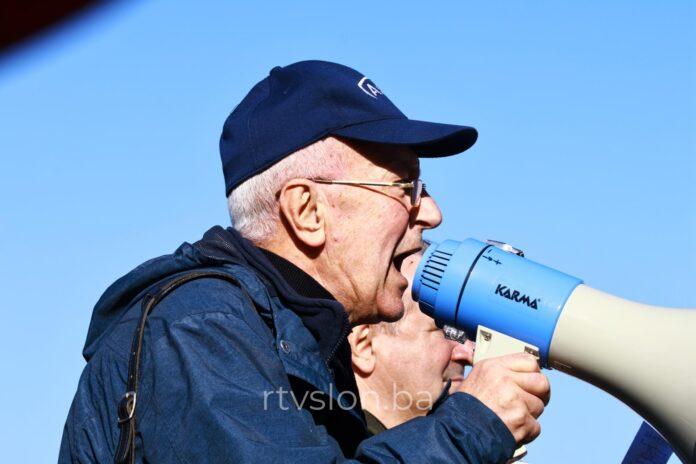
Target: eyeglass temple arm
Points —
{"points": [[355, 182]]}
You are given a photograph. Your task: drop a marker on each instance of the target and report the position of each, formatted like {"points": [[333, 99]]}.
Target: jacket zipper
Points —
{"points": [[344, 335]]}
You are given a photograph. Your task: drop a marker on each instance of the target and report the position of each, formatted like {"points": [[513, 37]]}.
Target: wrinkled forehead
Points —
{"points": [[401, 160], [398, 159]]}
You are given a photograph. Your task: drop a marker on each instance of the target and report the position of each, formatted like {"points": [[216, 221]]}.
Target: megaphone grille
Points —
{"points": [[434, 269], [430, 276]]}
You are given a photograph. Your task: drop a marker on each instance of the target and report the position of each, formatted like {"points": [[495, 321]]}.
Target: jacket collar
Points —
{"points": [[298, 348], [325, 324], [324, 317]]}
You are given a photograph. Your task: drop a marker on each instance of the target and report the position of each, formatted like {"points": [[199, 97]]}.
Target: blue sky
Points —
{"points": [[108, 156]]}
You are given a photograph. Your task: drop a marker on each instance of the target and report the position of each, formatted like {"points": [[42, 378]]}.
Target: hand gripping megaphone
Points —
{"points": [[514, 304]]}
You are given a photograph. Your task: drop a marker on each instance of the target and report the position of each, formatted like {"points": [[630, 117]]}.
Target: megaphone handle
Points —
{"points": [[490, 344]]}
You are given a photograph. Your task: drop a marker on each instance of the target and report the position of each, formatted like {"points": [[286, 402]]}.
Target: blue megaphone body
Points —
{"points": [[471, 283], [509, 304]]}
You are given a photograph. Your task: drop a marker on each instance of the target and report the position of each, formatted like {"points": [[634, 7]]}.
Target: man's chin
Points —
{"points": [[455, 373], [457, 382], [391, 312]]}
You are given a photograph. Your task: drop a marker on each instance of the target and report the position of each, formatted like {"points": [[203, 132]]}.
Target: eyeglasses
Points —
{"points": [[415, 188], [455, 334]]}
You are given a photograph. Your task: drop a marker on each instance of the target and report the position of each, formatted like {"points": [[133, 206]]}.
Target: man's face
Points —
{"points": [[370, 230], [416, 357]]}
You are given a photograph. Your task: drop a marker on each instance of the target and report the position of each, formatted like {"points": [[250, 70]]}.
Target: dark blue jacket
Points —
{"points": [[215, 368]]}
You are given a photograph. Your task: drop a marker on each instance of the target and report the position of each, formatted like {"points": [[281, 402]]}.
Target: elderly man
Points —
{"points": [[404, 368], [192, 356]]}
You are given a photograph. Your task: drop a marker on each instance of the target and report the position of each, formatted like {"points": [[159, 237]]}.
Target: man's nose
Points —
{"points": [[428, 214], [464, 352]]}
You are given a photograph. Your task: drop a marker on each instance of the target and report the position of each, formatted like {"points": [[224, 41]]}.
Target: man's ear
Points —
{"points": [[303, 211], [363, 357]]}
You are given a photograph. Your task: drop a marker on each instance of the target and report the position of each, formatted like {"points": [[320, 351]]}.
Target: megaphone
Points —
{"points": [[643, 355]]}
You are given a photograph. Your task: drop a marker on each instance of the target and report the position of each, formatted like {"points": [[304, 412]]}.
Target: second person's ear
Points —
{"points": [[363, 356]]}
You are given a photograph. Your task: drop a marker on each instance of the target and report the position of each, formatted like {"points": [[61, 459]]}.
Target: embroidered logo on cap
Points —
{"points": [[369, 87]]}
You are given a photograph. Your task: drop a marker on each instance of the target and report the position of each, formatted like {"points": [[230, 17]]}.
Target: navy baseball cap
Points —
{"points": [[298, 104]]}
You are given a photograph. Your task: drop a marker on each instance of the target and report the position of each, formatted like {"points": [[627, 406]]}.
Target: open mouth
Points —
{"points": [[399, 259]]}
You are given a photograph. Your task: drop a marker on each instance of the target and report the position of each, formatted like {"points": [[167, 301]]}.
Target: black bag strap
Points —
{"points": [[125, 451]]}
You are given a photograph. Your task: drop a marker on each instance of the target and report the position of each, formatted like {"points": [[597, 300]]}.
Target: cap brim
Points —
{"points": [[428, 139]]}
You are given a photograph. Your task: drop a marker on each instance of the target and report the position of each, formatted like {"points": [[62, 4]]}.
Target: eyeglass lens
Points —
{"points": [[416, 192]]}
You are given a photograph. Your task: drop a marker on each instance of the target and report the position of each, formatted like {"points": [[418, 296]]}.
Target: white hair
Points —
{"points": [[253, 205]]}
